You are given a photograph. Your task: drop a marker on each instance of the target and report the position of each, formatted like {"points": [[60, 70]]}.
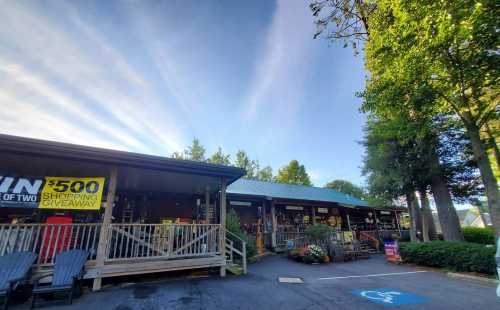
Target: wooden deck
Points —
{"points": [[130, 248], [115, 269]]}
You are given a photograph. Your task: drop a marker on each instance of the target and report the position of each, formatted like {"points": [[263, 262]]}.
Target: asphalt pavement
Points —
{"points": [[364, 284]]}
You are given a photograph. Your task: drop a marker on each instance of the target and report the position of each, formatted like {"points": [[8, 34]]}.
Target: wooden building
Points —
{"points": [[286, 210], [136, 213], [133, 213]]}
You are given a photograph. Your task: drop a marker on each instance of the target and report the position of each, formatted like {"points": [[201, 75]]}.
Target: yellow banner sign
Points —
{"points": [[65, 193]]}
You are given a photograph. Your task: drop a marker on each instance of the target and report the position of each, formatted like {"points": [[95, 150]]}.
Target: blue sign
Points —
{"points": [[390, 297]]}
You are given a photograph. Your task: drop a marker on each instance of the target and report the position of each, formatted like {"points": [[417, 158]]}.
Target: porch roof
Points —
{"points": [[136, 172], [292, 192]]}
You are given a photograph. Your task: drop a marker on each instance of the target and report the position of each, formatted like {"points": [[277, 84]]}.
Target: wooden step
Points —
{"points": [[235, 269]]}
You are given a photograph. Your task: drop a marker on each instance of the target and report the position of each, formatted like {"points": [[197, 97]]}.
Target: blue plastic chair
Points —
{"points": [[14, 268], [68, 270]]}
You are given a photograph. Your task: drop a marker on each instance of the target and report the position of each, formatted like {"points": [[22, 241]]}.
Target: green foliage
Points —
{"points": [[479, 235], [265, 174], [347, 187], [194, 152], [444, 47], [318, 232], [432, 58], [220, 158], [197, 152], [458, 256], [233, 225], [293, 173], [243, 161], [388, 161]]}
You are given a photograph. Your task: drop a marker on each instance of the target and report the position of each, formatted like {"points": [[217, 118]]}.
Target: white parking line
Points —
{"points": [[373, 275]]}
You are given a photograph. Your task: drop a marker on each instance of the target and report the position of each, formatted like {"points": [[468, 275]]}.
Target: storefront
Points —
{"points": [[127, 210], [285, 211]]}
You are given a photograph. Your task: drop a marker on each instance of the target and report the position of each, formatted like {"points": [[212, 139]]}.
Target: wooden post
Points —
{"points": [[244, 256], [207, 205], [223, 225], [397, 223], [104, 234], [274, 225], [348, 222], [313, 215], [375, 219]]}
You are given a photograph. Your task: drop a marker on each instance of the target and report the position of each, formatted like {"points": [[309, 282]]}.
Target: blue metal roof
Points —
{"points": [[290, 191]]}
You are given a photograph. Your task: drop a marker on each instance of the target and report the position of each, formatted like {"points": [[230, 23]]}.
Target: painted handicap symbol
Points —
{"points": [[390, 297], [386, 297]]}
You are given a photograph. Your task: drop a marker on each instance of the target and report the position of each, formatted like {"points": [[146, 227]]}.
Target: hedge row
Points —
{"points": [[457, 256], [479, 235]]}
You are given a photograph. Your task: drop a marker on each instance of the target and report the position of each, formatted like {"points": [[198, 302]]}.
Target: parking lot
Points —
{"points": [[364, 284]]}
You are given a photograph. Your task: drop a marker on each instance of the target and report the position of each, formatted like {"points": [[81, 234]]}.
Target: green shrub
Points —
{"points": [[318, 232], [233, 225], [458, 256], [479, 235]]}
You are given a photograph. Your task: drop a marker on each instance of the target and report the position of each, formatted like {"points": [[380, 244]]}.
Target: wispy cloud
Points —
{"points": [[80, 78], [167, 59], [282, 67]]}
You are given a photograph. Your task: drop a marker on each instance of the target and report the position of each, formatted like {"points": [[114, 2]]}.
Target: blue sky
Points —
{"points": [[148, 76]]}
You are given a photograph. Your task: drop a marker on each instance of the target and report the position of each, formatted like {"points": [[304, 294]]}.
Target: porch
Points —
{"points": [[130, 249], [157, 214], [278, 213]]}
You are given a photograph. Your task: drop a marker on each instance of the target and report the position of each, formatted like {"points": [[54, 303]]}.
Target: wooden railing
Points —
{"points": [[302, 240], [48, 240], [282, 237], [125, 241], [150, 241], [236, 245], [371, 237]]}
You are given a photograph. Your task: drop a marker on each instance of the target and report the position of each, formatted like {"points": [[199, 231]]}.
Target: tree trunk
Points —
{"points": [[483, 218], [489, 180], [428, 226], [493, 142], [414, 212], [448, 218], [418, 217], [425, 227]]}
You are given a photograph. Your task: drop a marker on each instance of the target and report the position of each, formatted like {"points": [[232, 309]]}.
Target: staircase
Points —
{"points": [[236, 257], [369, 240], [365, 246]]}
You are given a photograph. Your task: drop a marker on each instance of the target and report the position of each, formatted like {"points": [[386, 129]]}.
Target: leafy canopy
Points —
{"points": [[347, 187], [293, 173], [220, 158]]}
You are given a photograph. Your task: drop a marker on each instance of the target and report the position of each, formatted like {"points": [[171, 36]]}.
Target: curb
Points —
{"points": [[455, 275]]}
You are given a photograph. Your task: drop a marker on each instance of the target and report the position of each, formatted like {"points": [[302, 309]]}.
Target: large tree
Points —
{"points": [[451, 45], [347, 187], [220, 158], [293, 173], [243, 161], [195, 151], [265, 174], [388, 168], [448, 46], [402, 157]]}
